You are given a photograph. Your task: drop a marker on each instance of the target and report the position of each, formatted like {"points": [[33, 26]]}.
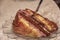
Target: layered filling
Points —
{"points": [[29, 23]]}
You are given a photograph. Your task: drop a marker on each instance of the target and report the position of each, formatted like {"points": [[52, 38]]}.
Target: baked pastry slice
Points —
{"points": [[22, 26], [29, 23]]}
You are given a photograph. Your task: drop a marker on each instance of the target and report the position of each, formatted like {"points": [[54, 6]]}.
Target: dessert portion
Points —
{"points": [[32, 24]]}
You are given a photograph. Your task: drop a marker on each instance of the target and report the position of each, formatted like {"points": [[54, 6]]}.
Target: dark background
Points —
{"points": [[57, 2]]}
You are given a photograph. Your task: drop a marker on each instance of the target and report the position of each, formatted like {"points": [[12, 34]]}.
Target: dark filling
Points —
{"points": [[39, 22], [32, 21], [50, 23]]}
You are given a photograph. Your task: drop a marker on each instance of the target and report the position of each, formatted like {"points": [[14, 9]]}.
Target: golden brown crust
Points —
{"points": [[26, 26], [29, 23], [51, 26]]}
